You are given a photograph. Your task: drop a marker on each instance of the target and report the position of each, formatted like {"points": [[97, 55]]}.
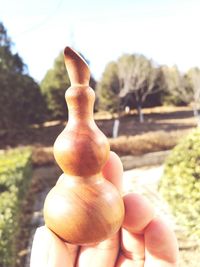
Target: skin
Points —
{"points": [[143, 241]]}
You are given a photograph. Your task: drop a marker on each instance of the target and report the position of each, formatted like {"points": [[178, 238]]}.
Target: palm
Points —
{"points": [[144, 241]]}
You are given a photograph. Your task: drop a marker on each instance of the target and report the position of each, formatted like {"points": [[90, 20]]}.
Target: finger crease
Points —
{"points": [[132, 256]]}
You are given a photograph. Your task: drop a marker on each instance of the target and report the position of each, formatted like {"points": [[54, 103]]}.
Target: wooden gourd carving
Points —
{"points": [[83, 207]]}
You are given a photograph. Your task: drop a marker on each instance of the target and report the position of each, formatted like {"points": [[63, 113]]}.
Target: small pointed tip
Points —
{"points": [[77, 68], [67, 49], [69, 52]]}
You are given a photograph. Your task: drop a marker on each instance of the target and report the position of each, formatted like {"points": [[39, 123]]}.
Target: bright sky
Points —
{"points": [[168, 31]]}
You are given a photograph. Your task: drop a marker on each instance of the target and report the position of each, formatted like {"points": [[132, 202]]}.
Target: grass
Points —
{"points": [[162, 129], [145, 143]]}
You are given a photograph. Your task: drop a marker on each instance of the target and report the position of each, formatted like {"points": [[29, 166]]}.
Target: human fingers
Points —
{"points": [[138, 214], [48, 250], [113, 170], [161, 244], [100, 255]]}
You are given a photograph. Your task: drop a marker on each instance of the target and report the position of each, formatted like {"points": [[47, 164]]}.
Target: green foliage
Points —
{"points": [[180, 184], [108, 89], [131, 80], [175, 92], [139, 76], [15, 173], [21, 102], [192, 79], [53, 87], [8, 61]]}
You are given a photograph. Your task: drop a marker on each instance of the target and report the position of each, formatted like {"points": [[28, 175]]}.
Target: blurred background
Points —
{"points": [[145, 70]]}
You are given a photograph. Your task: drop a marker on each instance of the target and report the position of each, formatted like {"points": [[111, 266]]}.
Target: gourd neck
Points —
{"points": [[80, 100]]}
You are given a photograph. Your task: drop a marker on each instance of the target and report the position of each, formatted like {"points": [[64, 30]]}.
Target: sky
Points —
{"points": [[167, 31]]}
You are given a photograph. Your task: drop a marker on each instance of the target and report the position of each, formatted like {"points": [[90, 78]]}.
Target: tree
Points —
{"points": [[192, 79], [183, 88], [8, 61], [54, 86], [175, 91], [21, 102], [138, 78], [131, 79], [108, 88], [4, 39]]}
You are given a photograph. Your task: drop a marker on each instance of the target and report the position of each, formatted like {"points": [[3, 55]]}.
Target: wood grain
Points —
{"points": [[83, 207]]}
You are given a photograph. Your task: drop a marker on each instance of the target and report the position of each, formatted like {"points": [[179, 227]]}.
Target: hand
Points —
{"points": [[144, 239]]}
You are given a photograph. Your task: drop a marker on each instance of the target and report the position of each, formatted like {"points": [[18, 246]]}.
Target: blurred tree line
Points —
{"points": [[21, 101], [132, 81], [137, 82]]}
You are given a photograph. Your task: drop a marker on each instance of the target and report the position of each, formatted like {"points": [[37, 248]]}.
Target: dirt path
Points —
{"points": [[141, 180], [145, 181]]}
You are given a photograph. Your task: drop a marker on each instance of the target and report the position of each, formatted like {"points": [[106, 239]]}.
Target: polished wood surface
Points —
{"points": [[90, 212], [83, 207]]}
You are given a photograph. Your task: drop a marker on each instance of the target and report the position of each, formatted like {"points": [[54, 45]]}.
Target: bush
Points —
{"points": [[180, 184], [15, 167]]}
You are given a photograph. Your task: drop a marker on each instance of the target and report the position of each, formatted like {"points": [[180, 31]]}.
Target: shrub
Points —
{"points": [[180, 184], [15, 167]]}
